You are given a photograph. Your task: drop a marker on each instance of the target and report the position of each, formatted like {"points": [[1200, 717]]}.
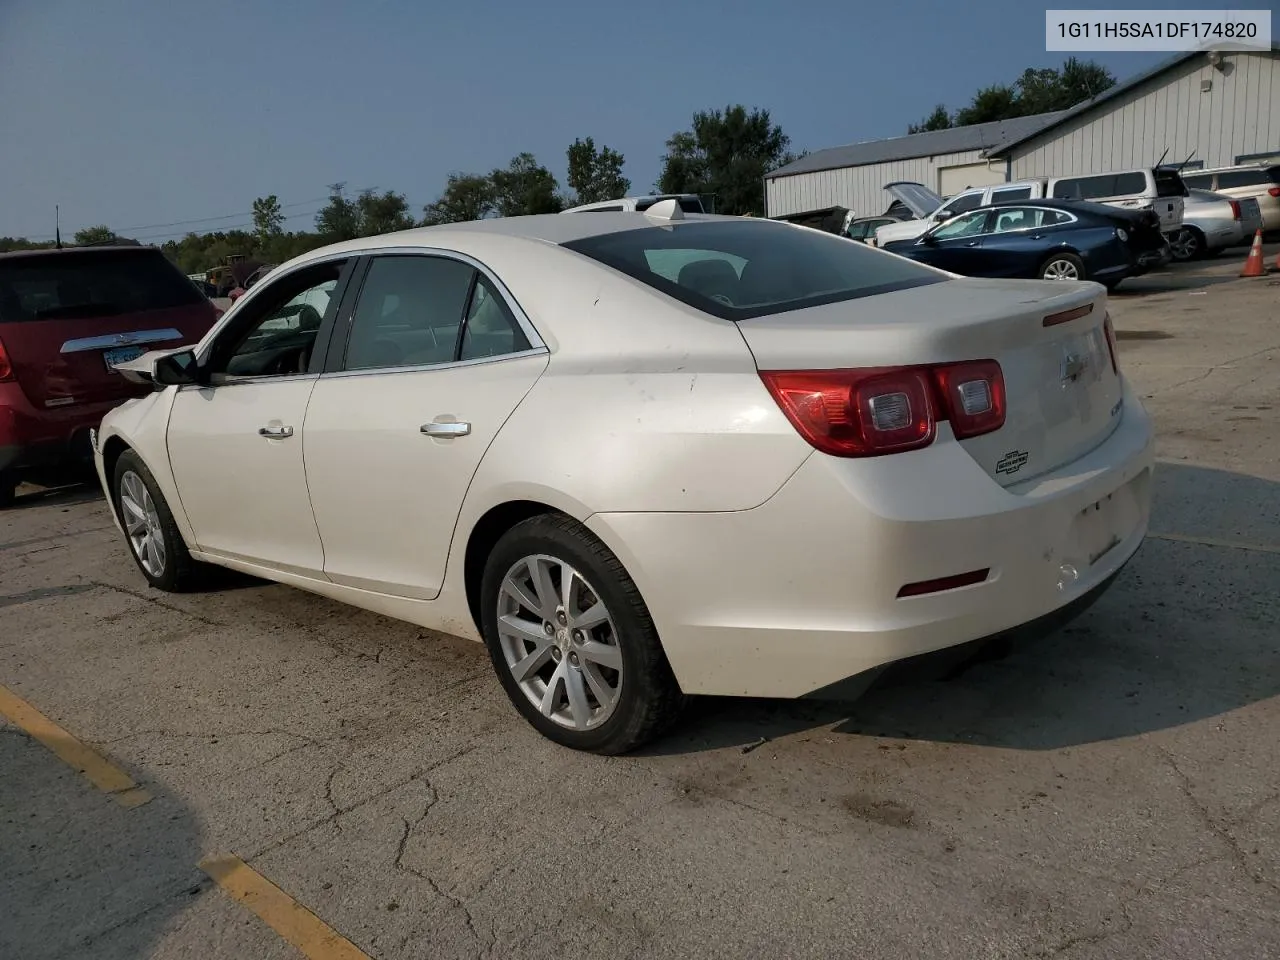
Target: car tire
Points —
{"points": [[592, 660], [1188, 244], [8, 490], [154, 541], [1062, 266]]}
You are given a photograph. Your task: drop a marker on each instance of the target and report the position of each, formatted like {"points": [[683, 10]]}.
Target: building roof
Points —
{"points": [[1111, 93], [977, 136]]}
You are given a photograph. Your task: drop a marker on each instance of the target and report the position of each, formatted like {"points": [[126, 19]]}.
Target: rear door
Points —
{"points": [[1020, 238], [435, 361], [67, 315]]}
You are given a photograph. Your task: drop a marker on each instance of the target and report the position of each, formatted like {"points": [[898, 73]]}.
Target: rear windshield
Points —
{"points": [[739, 269], [1169, 184], [90, 283]]}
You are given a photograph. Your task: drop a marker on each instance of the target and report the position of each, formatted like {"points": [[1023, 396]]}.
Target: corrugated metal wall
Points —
{"points": [[861, 189], [1239, 115]]}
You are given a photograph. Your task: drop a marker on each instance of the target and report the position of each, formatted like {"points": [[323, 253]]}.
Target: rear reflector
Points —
{"points": [[1066, 316], [1235, 210], [872, 412], [920, 588]]}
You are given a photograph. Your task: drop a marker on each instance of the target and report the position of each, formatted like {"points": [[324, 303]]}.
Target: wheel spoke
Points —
{"points": [[154, 555], [545, 588], [551, 698], [590, 618], [516, 591], [134, 524], [605, 654], [131, 508], [522, 670], [605, 695], [570, 585], [512, 626], [577, 692]]}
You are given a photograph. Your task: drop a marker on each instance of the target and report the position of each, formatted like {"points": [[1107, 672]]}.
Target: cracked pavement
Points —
{"points": [[1112, 791]]}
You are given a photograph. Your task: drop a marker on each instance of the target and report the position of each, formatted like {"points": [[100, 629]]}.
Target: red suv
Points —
{"points": [[66, 316]]}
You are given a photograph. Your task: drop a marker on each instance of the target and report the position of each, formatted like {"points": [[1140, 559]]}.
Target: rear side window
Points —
{"points": [[1101, 186], [1244, 178], [1199, 181], [739, 269], [84, 284]]}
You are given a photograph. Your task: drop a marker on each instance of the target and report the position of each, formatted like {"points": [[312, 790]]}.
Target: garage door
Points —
{"points": [[951, 180]]}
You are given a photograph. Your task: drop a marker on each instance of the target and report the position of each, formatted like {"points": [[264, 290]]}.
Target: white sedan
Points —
{"points": [[645, 455]]}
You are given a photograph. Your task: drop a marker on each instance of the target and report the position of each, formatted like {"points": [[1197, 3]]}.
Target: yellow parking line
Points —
{"points": [[283, 914], [1212, 542], [104, 774]]}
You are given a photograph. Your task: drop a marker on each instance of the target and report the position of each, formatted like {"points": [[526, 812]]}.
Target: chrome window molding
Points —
{"points": [[428, 367]]}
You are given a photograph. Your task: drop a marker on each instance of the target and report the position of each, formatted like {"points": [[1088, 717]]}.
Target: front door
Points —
{"points": [[435, 363], [235, 442], [956, 245]]}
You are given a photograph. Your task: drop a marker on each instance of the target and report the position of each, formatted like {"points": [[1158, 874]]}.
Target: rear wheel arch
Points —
{"points": [[484, 536], [111, 451]]}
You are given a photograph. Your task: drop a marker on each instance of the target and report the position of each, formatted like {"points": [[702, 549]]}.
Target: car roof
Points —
{"points": [[59, 251]]}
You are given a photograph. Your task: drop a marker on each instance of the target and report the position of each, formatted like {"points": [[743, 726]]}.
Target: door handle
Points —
{"points": [[972, 243], [275, 433], [451, 428]]}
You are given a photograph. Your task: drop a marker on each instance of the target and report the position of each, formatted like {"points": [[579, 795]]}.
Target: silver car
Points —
{"points": [[1212, 222]]}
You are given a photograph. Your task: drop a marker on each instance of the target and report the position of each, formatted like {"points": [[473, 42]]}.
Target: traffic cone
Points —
{"points": [[1253, 265]]}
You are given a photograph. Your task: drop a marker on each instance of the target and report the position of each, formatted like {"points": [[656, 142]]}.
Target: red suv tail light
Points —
{"points": [[881, 410], [6, 368]]}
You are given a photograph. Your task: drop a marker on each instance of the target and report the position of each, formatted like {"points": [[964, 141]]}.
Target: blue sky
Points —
{"points": [[137, 113]]}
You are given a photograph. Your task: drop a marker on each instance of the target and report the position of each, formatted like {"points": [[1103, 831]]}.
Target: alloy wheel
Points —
{"points": [[1061, 270], [142, 524], [559, 642], [1184, 244]]}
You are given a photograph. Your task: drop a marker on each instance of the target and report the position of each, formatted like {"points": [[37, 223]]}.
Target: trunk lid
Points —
{"points": [[1063, 396], [67, 315], [917, 198]]}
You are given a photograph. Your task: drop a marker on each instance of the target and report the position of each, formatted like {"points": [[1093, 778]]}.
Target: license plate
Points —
{"points": [[120, 355]]}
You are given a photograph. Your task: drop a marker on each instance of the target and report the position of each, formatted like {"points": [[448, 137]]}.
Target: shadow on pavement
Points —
{"points": [[1186, 633], [81, 876]]}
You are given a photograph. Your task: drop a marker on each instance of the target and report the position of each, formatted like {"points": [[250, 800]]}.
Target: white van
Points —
{"points": [[931, 208], [1159, 189]]}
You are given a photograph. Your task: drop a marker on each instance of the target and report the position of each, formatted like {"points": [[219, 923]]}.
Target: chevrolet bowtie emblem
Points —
{"points": [[1073, 368]]}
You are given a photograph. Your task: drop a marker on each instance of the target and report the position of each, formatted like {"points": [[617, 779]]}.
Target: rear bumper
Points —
{"points": [[802, 592], [33, 439]]}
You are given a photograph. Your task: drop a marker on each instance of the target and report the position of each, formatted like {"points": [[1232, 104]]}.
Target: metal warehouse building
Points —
{"points": [[1216, 108]]}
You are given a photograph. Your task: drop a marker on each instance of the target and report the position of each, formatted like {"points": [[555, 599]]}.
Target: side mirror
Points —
{"points": [[178, 369], [928, 239]]}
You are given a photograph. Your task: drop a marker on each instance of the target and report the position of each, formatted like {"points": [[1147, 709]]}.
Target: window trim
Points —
{"points": [[324, 335], [336, 358], [1071, 218]]}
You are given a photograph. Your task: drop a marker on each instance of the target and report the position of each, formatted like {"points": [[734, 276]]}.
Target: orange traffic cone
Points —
{"points": [[1253, 265]]}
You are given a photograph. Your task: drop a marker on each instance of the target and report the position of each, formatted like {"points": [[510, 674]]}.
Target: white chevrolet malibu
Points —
{"points": [[645, 455]]}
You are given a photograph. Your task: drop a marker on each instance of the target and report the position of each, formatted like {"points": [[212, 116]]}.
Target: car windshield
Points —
{"points": [[90, 283], [740, 269]]}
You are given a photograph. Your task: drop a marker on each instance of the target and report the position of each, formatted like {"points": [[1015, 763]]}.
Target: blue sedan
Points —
{"points": [[1043, 239]]}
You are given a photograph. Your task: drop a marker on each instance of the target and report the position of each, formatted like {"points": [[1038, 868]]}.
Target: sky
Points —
{"points": [[148, 114]]}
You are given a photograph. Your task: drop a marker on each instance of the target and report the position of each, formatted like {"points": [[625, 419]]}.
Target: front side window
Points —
{"points": [[967, 226], [739, 269], [276, 333]]}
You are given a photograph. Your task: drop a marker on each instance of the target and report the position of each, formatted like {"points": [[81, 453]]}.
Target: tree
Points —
{"points": [[525, 187], [268, 219], [339, 219], [727, 153], [99, 234], [996, 102], [596, 175], [940, 119], [382, 213], [467, 196], [1082, 81]]}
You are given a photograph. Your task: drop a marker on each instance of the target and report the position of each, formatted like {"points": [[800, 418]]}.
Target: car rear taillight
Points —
{"points": [[6, 368], [872, 412], [1111, 344], [1273, 191], [1235, 210]]}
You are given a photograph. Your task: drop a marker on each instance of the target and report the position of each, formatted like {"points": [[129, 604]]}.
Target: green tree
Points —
{"points": [[939, 119], [268, 219], [379, 213], [339, 219], [1082, 81], [595, 175], [525, 187], [466, 196], [996, 102], [98, 234], [1038, 90], [727, 153]]}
